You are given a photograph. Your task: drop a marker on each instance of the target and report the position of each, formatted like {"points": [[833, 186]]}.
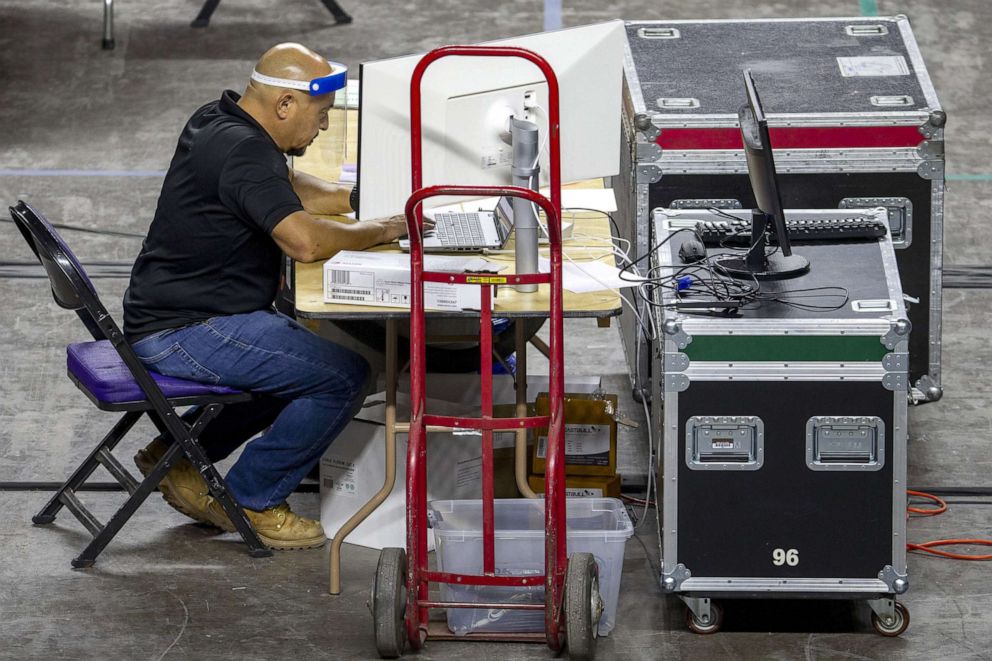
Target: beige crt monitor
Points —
{"points": [[466, 102]]}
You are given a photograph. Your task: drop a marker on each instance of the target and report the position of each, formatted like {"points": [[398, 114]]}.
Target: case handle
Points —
{"points": [[895, 101], [674, 103], [872, 30], [658, 33]]}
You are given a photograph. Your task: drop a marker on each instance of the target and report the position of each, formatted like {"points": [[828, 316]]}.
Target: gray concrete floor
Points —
{"points": [[168, 589]]}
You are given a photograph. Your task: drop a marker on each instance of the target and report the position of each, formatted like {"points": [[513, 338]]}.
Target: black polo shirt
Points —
{"points": [[209, 250]]}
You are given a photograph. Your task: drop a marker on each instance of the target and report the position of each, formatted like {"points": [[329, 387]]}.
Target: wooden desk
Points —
{"points": [[591, 241]]}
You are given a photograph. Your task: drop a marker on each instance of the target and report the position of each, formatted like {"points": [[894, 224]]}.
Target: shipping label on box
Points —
{"points": [[590, 434], [383, 279], [337, 474], [585, 445], [582, 486]]}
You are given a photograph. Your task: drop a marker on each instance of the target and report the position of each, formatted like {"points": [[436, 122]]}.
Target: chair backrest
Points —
{"points": [[72, 289]]}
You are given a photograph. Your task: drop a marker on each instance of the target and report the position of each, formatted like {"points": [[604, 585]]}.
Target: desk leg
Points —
{"points": [[390, 481], [520, 450]]}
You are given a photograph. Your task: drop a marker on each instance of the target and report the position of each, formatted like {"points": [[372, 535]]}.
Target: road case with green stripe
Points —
{"points": [[784, 434]]}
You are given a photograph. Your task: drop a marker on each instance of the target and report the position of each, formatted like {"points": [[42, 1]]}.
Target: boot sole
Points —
{"points": [[145, 464], [296, 545], [274, 544]]}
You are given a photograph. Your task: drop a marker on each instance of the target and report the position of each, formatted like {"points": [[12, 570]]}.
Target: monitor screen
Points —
{"points": [[466, 102], [758, 262], [761, 163]]}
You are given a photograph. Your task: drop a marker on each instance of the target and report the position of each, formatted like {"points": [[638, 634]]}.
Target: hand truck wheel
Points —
{"points": [[583, 607], [696, 625], [388, 603], [899, 623]]}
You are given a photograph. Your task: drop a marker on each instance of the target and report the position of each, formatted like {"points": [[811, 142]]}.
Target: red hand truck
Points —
{"points": [[400, 599]]}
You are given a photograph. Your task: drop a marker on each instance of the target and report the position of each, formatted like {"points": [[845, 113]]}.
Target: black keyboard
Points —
{"points": [[738, 232]]}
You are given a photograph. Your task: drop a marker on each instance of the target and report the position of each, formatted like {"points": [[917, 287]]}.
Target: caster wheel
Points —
{"points": [[898, 624], [388, 603], [696, 625], [583, 607]]}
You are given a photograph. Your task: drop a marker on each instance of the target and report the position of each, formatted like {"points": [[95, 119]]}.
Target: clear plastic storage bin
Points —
{"points": [[599, 526]]}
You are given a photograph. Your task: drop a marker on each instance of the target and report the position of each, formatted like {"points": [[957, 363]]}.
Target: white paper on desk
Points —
{"points": [[598, 199], [585, 277], [349, 173]]}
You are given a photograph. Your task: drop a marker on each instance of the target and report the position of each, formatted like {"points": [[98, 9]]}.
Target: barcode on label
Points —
{"points": [[343, 297], [340, 277]]}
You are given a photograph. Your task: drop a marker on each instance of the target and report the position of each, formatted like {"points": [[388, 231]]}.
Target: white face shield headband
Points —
{"points": [[323, 85]]}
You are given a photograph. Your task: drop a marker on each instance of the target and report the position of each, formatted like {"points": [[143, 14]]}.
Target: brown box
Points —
{"points": [[590, 434], [583, 486]]}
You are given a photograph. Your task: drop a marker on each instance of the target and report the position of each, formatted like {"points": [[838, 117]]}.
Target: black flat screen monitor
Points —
{"points": [[768, 215]]}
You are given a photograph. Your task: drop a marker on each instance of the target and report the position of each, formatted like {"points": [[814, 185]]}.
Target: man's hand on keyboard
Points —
{"points": [[395, 226]]}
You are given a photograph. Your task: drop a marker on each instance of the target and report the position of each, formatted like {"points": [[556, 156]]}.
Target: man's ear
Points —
{"points": [[284, 104]]}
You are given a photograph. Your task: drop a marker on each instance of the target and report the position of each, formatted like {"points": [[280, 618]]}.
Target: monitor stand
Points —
{"points": [[757, 263], [525, 168]]}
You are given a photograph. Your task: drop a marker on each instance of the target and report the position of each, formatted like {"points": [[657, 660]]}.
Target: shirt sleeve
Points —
{"points": [[254, 184]]}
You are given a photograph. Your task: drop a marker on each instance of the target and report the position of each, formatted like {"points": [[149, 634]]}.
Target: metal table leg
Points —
{"points": [[520, 449], [108, 24], [390, 480], [341, 17], [202, 19]]}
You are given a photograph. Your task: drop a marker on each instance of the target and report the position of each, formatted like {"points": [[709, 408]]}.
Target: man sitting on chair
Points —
{"points": [[199, 304]]}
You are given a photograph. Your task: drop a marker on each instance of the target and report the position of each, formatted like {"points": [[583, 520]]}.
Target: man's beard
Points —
{"points": [[297, 151]]}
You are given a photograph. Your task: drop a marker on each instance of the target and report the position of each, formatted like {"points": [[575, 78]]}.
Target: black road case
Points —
{"points": [[784, 434], [853, 119]]}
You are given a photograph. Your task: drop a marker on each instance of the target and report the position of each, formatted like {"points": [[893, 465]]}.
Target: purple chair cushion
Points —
{"points": [[100, 370]]}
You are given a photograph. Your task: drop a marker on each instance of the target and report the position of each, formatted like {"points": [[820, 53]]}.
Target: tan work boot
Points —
{"points": [[278, 527], [182, 487]]}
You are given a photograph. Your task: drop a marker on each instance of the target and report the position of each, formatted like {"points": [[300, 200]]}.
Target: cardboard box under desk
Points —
{"points": [[582, 486], [590, 434]]}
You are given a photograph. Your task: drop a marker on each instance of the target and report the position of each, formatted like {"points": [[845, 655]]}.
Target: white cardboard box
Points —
{"points": [[354, 467], [382, 278]]}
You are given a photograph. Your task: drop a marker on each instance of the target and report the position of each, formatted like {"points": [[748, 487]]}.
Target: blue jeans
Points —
{"points": [[308, 389]]}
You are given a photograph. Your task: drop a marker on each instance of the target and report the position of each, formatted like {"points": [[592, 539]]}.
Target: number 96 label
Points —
{"points": [[788, 557]]}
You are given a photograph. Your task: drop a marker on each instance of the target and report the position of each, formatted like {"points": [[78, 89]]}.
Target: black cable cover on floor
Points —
{"points": [[108, 486]]}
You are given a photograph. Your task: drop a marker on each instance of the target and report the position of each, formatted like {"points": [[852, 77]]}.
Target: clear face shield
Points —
{"points": [[334, 154]]}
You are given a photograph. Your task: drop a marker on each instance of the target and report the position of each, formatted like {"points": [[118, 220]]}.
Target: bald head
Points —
{"points": [[291, 61], [291, 117]]}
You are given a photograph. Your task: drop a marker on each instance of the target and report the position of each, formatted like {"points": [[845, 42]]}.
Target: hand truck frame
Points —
{"points": [[400, 595]]}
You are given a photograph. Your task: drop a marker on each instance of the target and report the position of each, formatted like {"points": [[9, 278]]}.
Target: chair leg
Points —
{"points": [[108, 25], [218, 489], [202, 19], [81, 474], [341, 17], [121, 516]]}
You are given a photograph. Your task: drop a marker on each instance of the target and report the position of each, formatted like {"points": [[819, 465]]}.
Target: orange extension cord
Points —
{"points": [[928, 547]]}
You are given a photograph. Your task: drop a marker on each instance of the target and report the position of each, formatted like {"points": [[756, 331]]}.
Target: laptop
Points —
{"points": [[469, 232]]}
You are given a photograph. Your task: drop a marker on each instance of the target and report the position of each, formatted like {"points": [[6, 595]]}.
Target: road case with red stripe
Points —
{"points": [[854, 122]]}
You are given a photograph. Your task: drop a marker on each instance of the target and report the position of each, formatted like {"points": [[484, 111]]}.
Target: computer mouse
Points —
{"points": [[692, 251]]}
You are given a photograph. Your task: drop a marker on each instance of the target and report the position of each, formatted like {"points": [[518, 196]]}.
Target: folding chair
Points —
{"points": [[110, 374]]}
